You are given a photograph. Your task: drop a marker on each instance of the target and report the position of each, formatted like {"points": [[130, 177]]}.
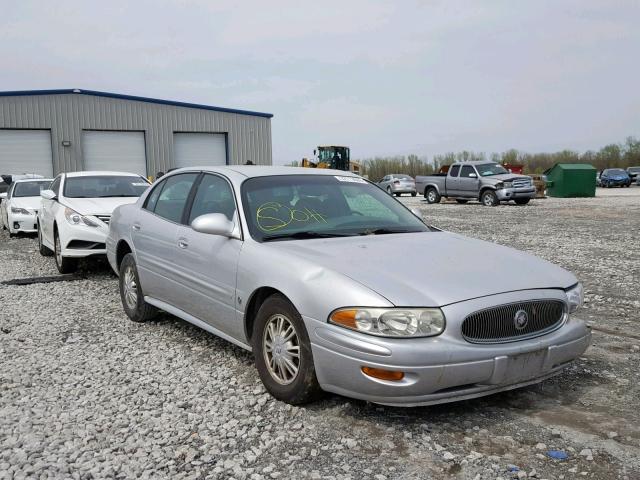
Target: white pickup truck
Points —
{"points": [[486, 181]]}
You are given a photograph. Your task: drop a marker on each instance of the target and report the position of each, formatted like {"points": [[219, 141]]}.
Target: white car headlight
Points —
{"points": [[575, 296], [74, 218], [22, 211], [391, 322]]}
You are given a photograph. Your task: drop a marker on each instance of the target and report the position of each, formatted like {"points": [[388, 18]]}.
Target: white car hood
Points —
{"points": [[97, 206], [30, 203], [430, 268]]}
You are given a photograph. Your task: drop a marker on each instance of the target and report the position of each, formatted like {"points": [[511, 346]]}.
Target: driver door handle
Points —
{"points": [[182, 243], [136, 226]]}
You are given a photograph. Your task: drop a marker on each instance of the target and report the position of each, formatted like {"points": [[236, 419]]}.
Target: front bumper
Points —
{"points": [[19, 222], [505, 194], [83, 241], [439, 369]]}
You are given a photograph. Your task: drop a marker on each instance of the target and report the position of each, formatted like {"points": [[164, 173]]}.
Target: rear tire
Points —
{"points": [[389, 190], [413, 194], [432, 195], [44, 251], [521, 201], [131, 292], [64, 264], [489, 198], [282, 352]]}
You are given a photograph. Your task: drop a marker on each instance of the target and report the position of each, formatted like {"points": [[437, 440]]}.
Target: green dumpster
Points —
{"points": [[571, 180]]}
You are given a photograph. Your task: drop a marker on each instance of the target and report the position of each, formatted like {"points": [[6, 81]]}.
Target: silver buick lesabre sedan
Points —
{"points": [[294, 264]]}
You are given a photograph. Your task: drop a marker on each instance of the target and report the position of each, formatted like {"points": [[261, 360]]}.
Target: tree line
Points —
{"points": [[622, 155]]}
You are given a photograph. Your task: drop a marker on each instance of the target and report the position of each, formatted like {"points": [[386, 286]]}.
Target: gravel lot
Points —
{"points": [[85, 393]]}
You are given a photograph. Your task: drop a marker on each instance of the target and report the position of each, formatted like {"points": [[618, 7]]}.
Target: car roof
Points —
{"points": [[250, 171], [27, 180], [96, 173]]}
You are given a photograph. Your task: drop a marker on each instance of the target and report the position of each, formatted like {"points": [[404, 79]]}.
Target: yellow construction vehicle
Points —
{"points": [[334, 157]]}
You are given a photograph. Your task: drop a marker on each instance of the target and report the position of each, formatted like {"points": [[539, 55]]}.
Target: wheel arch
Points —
{"points": [[484, 188], [256, 299], [122, 248]]}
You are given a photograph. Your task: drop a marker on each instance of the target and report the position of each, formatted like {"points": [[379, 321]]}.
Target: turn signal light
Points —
{"points": [[383, 374], [346, 318]]}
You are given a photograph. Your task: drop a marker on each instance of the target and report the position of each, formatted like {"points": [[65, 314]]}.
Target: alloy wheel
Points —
{"points": [[130, 288], [58, 251], [281, 349], [431, 196]]}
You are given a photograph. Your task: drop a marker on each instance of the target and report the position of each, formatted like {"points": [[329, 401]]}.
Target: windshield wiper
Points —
{"points": [[305, 235], [114, 196], [385, 231]]}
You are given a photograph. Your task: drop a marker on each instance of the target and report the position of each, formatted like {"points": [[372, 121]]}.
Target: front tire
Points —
{"points": [[489, 198], [64, 264], [432, 195], [413, 194], [131, 293], [282, 352], [44, 251], [389, 190]]}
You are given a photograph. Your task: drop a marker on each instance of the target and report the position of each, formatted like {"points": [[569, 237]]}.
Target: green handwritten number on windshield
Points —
{"points": [[272, 216]]}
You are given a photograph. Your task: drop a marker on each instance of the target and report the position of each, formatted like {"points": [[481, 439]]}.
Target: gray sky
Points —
{"points": [[382, 77]]}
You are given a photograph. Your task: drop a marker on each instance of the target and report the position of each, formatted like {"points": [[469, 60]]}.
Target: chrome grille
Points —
{"points": [[521, 183], [498, 324], [104, 218]]}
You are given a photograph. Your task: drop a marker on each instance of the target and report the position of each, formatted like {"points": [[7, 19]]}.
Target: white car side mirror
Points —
{"points": [[48, 194], [417, 213], [473, 175], [214, 224], [3, 195]]}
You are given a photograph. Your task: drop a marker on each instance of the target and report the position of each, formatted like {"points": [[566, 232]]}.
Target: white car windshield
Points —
{"points": [[287, 207], [30, 189], [100, 186]]}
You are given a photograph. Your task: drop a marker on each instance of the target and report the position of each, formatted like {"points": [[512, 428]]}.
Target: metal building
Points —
{"points": [[53, 131]]}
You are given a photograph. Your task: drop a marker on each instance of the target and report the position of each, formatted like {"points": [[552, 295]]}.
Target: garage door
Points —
{"points": [[115, 151], [26, 151], [192, 149]]}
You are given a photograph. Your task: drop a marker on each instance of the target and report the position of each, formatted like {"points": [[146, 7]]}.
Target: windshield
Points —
{"points": [[616, 171], [104, 186], [30, 189], [488, 169], [403, 177], [311, 206], [634, 169]]}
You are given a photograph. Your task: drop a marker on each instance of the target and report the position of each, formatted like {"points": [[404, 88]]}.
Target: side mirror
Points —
{"points": [[48, 194], [3, 195], [214, 224], [473, 175], [417, 213]]}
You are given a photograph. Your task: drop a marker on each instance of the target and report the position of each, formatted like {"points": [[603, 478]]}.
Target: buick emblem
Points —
{"points": [[521, 319]]}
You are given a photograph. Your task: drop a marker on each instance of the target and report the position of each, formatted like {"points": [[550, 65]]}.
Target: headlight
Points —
{"points": [[499, 185], [74, 218], [508, 184], [22, 211], [391, 322], [575, 296]]}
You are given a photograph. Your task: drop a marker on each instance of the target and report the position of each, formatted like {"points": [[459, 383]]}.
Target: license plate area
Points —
{"points": [[524, 366]]}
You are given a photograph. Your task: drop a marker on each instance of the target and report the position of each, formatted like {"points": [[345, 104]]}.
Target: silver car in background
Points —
{"points": [[293, 265], [397, 184]]}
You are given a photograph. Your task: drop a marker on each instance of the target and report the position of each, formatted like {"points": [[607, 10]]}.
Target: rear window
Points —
{"points": [[102, 186]]}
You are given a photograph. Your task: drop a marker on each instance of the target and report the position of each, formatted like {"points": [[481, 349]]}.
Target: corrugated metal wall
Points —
{"points": [[66, 115]]}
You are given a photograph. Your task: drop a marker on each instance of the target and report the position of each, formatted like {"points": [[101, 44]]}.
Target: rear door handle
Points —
{"points": [[136, 226], [183, 244]]}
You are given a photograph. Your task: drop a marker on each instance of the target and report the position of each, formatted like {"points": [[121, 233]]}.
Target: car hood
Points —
{"points": [[97, 206], [30, 203], [430, 268]]}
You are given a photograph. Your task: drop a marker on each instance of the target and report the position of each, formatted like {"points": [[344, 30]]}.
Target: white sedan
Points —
{"points": [[73, 220], [20, 204]]}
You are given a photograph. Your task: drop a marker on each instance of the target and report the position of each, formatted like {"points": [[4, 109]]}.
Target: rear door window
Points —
{"points": [[172, 199]]}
